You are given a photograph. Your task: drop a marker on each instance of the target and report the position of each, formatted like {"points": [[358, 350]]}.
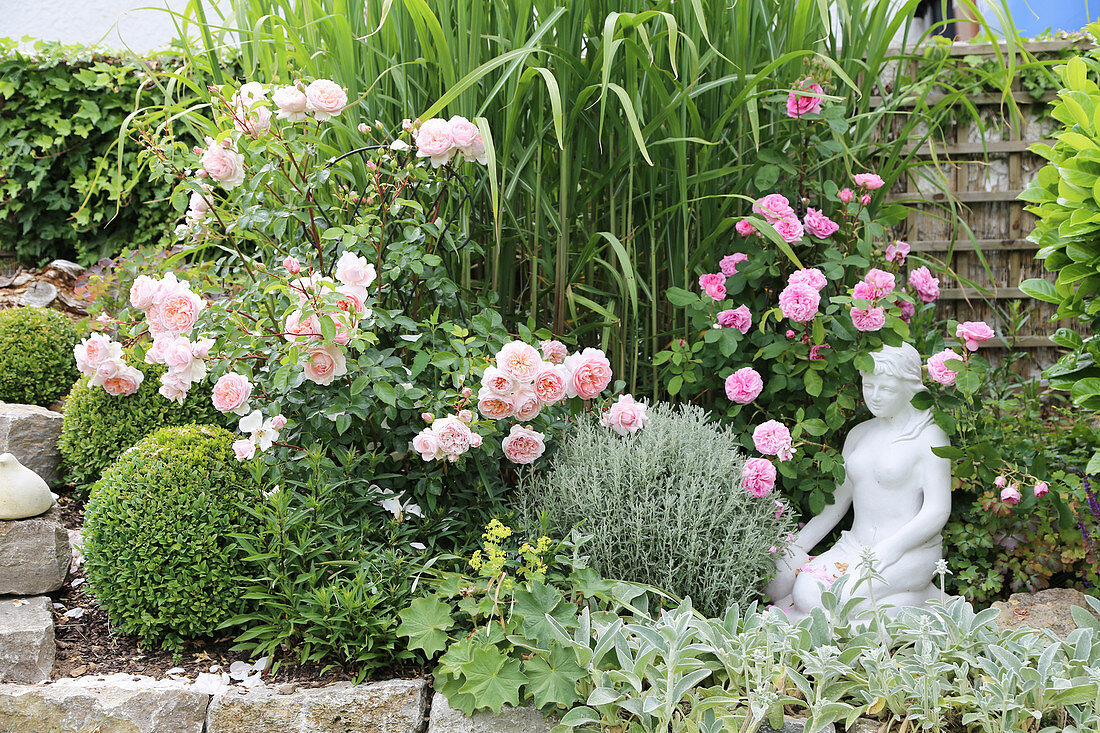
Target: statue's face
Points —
{"points": [[885, 396]]}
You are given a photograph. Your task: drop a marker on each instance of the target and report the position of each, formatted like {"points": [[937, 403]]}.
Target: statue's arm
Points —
{"points": [[935, 473]]}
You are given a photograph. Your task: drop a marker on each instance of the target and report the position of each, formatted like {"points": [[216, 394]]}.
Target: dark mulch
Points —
{"points": [[89, 645]]}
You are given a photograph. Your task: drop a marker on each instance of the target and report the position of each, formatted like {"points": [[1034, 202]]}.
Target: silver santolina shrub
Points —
{"points": [[664, 506]]}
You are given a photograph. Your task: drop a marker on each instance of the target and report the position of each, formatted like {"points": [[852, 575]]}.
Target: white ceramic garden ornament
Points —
{"points": [[23, 493], [899, 493]]}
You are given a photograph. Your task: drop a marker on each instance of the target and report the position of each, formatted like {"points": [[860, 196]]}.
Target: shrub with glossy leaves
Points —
{"points": [[98, 427], [157, 535], [664, 506], [36, 355]]}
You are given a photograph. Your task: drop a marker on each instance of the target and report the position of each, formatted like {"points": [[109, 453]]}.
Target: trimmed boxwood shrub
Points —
{"points": [[98, 427], [36, 355], [157, 529]]}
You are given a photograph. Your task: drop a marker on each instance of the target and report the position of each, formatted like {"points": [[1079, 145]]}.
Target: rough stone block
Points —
{"points": [[27, 647], [30, 434], [393, 706], [445, 719], [114, 704], [34, 555], [1047, 609]]}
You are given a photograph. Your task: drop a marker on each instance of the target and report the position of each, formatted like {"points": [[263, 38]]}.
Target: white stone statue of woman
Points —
{"points": [[899, 493]]}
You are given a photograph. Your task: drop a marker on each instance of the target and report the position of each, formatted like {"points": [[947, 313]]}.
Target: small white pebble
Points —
{"points": [[74, 613]]}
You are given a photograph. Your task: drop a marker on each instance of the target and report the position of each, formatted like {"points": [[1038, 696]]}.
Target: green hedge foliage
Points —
{"points": [[98, 427], [36, 355], [157, 535], [62, 191]]}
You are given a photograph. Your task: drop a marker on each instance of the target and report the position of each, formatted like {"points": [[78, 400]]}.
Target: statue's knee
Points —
{"points": [[806, 593]]}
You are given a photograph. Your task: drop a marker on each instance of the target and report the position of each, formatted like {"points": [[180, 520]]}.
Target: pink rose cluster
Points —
{"points": [[439, 140], [777, 211], [101, 359], [875, 285], [447, 438], [714, 285], [800, 300], [626, 416], [805, 99], [971, 333]]}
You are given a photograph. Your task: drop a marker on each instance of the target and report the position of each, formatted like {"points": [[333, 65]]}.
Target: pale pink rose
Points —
{"points": [[325, 363], [249, 94], [244, 449], [728, 264], [744, 385], [527, 404], [351, 299], [466, 416], [1000, 482], [94, 350], [744, 227], [426, 443], [938, 369], [297, 329], [523, 445], [519, 360], [808, 276], [819, 225], [467, 138], [467, 392], [107, 369], [1011, 495], [475, 440], [863, 291], [434, 141], [453, 434], [1042, 489], [352, 269], [231, 393], [771, 437], [883, 282], [255, 123], [899, 250], [846, 196], [790, 230], [125, 382], [805, 99], [173, 388], [198, 204], [927, 287], [758, 477], [494, 406], [908, 310], [179, 311], [973, 333], [224, 165], [278, 422], [739, 318], [553, 351], [590, 373], [325, 99], [427, 417], [142, 292], [292, 265], [799, 302], [625, 416], [551, 383], [292, 103], [773, 207], [869, 181], [498, 381], [868, 319]]}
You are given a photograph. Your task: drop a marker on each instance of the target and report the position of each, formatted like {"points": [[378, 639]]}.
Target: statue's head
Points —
{"points": [[889, 389]]}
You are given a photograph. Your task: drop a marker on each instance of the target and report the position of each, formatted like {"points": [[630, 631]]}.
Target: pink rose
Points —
{"points": [[179, 311], [551, 383], [728, 264], [325, 363], [846, 196], [815, 352], [244, 449], [351, 299], [790, 230], [739, 318], [143, 291], [771, 437], [296, 329], [869, 181], [863, 291], [714, 285], [527, 404], [625, 416], [454, 435], [883, 282], [519, 360], [973, 333], [494, 406], [591, 373], [809, 276], [908, 310], [744, 385], [231, 393], [758, 477], [1011, 495], [805, 99], [292, 265], [1041, 489], [325, 98], [868, 319], [498, 381], [799, 302], [125, 382], [255, 123], [523, 445], [744, 227], [1000, 482], [773, 207], [352, 269], [292, 103], [466, 416], [94, 350], [897, 251], [553, 351], [938, 369], [927, 287], [426, 443], [467, 138], [224, 165], [278, 422], [433, 140], [865, 199], [819, 225]]}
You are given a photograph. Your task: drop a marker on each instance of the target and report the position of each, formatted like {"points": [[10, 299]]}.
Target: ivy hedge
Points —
{"points": [[62, 191]]}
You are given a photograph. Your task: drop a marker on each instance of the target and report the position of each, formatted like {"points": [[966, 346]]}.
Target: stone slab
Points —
{"points": [[34, 555], [113, 704], [393, 706], [445, 719], [27, 647], [30, 434], [1047, 609]]}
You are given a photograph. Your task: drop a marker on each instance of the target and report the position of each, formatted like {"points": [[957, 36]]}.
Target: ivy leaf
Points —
{"points": [[553, 680], [426, 622], [533, 605], [492, 678]]}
